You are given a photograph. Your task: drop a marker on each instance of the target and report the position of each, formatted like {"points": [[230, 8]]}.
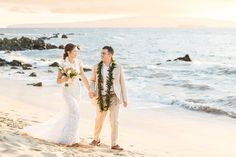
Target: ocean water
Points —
{"points": [[207, 84]]}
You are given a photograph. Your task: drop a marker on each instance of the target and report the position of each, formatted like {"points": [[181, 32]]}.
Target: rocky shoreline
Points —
{"points": [[26, 43], [17, 64]]}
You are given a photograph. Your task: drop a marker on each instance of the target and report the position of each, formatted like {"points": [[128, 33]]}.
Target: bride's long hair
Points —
{"points": [[69, 47]]}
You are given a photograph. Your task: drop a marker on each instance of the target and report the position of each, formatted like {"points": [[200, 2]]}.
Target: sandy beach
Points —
{"points": [[161, 132]]}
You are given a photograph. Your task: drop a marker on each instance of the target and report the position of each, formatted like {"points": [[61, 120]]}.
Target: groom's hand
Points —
{"points": [[125, 104]]}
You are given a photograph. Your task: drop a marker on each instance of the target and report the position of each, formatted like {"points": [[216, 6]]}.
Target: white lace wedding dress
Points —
{"points": [[63, 128]]}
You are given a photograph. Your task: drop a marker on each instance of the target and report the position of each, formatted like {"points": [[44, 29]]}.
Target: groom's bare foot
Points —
{"points": [[117, 147], [95, 143]]}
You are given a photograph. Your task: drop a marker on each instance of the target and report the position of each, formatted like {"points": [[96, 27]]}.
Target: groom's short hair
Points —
{"points": [[109, 49]]}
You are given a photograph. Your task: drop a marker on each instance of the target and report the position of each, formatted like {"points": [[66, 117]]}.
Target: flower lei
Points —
{"points": [[109, 83]]}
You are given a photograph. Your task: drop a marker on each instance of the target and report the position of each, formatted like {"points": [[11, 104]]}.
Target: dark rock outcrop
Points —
{"points": [[15, 63], [50, 46], [24, 43], [39, 84], [61, 46], [186, 58], [3, 62], [14, 67], [26, 66], [42, 59], [64, 36], [33, 74], [55, 64], [50, 37], [20, 72]]}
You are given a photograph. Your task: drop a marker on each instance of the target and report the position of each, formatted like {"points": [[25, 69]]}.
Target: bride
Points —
{"points": [[64, 127]]}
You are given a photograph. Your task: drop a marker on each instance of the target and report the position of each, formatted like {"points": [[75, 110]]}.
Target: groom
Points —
{"points": [[107, 88]]}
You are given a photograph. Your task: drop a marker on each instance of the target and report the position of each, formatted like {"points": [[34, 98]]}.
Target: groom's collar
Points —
{"points": [[106, 65]]}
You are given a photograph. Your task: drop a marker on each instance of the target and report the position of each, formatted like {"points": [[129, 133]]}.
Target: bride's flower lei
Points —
{"points": [[109, 84]]}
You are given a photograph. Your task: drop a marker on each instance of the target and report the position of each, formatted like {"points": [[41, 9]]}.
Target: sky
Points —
{"points": [[140, 13]]}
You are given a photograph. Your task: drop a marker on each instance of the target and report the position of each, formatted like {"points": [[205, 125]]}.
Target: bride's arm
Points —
{"points": [[61, 78], [83, 78]]}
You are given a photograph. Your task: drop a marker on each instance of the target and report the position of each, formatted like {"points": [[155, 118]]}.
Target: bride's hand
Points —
{"points": [[125, 104], [92, 94], [65, 79]]}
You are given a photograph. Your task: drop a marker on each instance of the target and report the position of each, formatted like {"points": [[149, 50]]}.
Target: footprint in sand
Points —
{"points": [[35, 149], [49, 155], [15, 144], [9, 151], [25, 156], [35, 121]]}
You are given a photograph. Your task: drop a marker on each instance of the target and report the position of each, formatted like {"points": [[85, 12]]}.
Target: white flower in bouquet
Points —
{"points": [[69, 72]]}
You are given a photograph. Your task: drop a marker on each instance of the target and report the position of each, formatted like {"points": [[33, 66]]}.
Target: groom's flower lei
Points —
{"points": [[109, 84]]}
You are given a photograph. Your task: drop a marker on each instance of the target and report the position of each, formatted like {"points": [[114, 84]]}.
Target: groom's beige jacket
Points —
{"points": [[118, 82]]}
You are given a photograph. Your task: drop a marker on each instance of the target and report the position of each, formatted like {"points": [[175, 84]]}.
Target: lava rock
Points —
{"points": [[14, 67], [26, 66], [3, 62], [50, 46], [39, 84], [64, 36], [55, 64], [24, 43], [33, 74], [186, 58], [20, 72], [15, 63], [61, 46]]}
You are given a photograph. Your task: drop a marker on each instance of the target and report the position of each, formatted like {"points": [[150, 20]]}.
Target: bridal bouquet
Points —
{"points": [[69, 72]]}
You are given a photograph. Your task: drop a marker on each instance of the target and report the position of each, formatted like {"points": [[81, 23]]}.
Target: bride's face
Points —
{"points": [[72, 54]]}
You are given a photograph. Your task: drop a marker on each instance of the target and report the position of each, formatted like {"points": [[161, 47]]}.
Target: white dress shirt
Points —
{"points": [[105, 72]]}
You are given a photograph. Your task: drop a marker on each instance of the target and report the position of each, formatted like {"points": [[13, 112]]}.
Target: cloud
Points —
{"points": [[23, 10], [92, 6], [146, 11]]}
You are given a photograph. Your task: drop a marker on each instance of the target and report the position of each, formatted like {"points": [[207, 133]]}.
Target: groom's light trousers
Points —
{"points": [[113, 114]]}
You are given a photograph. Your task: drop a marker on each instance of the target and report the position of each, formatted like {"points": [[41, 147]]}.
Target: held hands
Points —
{"points": [[125, 104], [92, 94]]}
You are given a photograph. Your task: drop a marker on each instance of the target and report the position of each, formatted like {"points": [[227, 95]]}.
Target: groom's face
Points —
{"points": [[105, 55]]}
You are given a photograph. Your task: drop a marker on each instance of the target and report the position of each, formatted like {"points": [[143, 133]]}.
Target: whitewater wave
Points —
{"points": [[198, 105]]}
